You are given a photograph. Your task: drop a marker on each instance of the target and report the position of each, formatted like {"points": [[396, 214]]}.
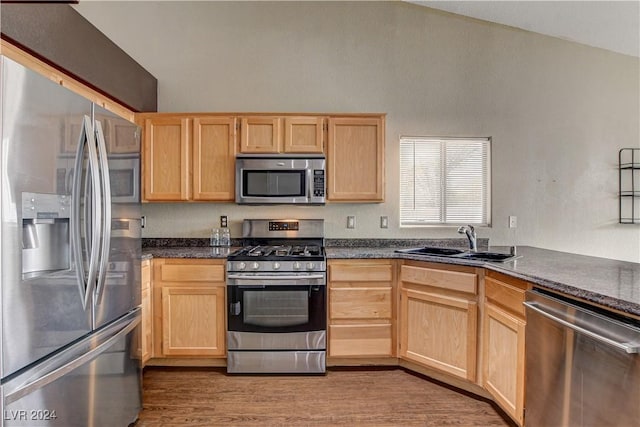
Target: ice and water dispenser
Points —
{"points": [[45, 233]]}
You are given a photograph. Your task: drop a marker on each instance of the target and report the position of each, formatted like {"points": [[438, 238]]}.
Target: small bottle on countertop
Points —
{"points": [[215, 237], [225, 237]]}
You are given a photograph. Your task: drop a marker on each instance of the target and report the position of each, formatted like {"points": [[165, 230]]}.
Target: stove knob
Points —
{"points": [[241, 265], [255, 266], [276, 266], [310, 266], [296, 265]]}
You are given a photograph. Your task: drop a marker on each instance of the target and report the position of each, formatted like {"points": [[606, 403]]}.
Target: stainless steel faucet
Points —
{"points": [[471, 235]]}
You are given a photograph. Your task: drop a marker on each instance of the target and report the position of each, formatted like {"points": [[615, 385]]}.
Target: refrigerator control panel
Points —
{"points": [[45, 206]]}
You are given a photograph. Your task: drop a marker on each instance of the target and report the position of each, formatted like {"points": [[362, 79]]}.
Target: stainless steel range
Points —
{"points": [[276, 289]]}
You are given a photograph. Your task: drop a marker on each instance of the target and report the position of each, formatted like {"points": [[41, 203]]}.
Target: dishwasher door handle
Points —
{"points": [[629, 347]]}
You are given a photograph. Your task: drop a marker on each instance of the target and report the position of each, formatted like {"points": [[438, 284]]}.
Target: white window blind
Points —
{"points": [[445, 181]]}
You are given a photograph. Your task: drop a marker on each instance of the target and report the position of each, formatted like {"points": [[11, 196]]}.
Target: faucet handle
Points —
{"points": [[466, 228]]}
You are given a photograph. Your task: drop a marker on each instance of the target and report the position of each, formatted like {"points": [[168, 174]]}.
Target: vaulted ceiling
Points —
{"points": [[611, 25]]}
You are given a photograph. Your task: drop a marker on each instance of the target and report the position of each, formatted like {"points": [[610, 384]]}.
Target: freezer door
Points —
{"points": [[41, 301], [96, 382]]}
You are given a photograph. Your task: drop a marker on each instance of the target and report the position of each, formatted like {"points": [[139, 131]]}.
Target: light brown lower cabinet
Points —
{"points": [[439, 318], [503, 343], [436, 320], [361, 308], [146, 341], [189, 308]]}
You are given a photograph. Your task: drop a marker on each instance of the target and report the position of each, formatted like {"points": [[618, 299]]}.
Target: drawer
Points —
{"points": [[504, 295], [451, 280], [192, 273], [360, 340], [360, 303], [361, 272]]}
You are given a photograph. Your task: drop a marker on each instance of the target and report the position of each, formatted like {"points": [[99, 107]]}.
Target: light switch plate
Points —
{"points": [[513, 221], [351, 221], [384, 221]]}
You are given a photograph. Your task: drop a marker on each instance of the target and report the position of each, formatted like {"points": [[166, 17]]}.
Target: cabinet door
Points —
{"points": [[193, 321], [303, 135], [503, 360], [355, 160], [260, 135], [146, 334], [214, 152], [166, 159], [439, 331], [122, 136]]}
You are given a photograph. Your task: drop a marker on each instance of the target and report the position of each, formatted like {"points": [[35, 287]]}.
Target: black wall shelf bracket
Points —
{"points": [[629, 185]]}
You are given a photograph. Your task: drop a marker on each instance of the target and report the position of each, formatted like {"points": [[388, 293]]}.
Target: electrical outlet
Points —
{"points": [[223, 221], [143, 221], [513, 221], [351, 221], [384, 221]]}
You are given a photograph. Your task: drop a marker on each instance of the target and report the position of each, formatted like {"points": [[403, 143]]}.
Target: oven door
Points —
{"points": [[276, 303]]}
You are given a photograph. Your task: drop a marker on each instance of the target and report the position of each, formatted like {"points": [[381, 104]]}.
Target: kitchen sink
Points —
{"points": [[487, 256], [459, 253], [431, 250]]}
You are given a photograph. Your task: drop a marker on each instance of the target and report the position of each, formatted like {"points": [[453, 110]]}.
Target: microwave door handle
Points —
{"points": [[309, 186]]}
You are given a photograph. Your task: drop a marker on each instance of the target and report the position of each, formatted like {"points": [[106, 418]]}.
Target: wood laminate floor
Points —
{"points": [[379, 397]]}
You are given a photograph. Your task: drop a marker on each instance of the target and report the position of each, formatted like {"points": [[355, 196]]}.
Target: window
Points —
{"points": [[445, 181]]}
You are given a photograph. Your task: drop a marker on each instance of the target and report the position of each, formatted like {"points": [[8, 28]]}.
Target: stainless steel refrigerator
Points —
{"points": [[70, 257]]}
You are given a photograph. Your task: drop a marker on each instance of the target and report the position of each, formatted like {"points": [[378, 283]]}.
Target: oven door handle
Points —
{"points": [[251, 286], [278, 277]]}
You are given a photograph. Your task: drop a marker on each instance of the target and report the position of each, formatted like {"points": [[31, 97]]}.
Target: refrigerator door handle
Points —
{"points": [[106, 210], [76, 244], [86, 286], [52, 372]]}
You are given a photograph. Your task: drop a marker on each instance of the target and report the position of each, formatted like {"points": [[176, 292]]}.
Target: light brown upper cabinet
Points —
{"points": [[281, 134], [303, 134], [355, 159], [260, 134], [189, 158], [166, 158], [214, 153]]}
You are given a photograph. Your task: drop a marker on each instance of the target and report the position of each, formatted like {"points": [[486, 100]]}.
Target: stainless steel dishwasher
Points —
{"points": [[582, 365]]}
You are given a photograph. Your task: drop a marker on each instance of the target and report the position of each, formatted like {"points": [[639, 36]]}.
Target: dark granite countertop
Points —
{"points": [[202, 252], [610, 283]]}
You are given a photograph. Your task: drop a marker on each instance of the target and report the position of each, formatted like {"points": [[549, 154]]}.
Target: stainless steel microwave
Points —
{"points": [[280, 179]]}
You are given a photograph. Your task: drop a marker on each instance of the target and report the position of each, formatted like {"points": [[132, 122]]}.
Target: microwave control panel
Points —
{"points": [[318, 182]]}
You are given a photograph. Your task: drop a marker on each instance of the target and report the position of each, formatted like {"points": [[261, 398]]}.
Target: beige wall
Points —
{"points": [[558, 112]]}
